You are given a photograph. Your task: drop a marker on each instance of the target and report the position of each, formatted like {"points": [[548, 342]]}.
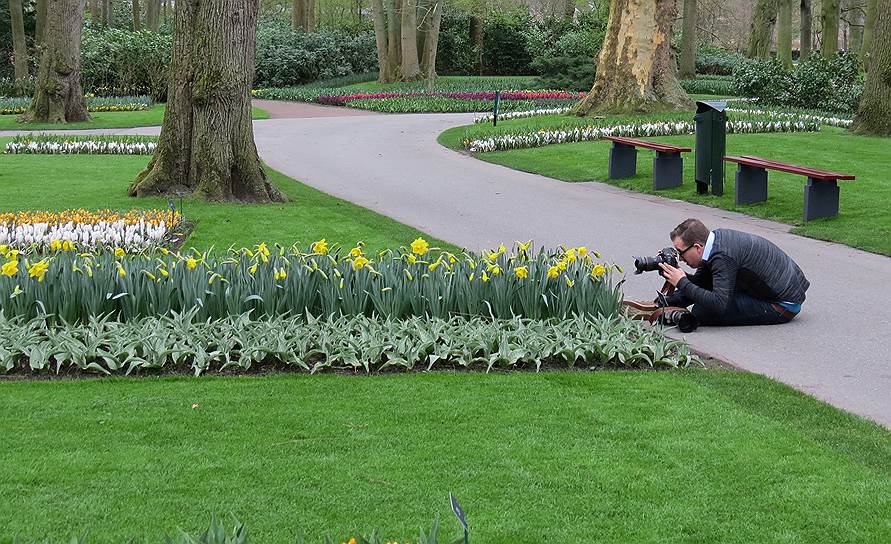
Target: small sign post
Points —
{"points": [[495, 110], [456, 508]]}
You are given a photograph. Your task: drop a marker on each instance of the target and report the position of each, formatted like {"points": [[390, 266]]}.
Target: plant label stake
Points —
{"points": [[495, 110], [456, 508]]}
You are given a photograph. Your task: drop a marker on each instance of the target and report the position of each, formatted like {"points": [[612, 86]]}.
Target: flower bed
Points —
{"points": [[72, 145], [343, 100], [368, 344], [12, 106], [523, 114], [78, 230], [412, 281], [542, 137]]}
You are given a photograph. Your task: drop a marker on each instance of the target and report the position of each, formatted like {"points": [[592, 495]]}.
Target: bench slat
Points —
{"points": [[665, 148], [759, 162]]}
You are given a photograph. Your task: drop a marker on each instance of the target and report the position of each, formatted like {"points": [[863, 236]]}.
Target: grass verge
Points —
{"points": [[153, 116]]}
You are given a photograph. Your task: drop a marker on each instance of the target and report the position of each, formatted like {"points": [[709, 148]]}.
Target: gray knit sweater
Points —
{"points": [[742, 263]]}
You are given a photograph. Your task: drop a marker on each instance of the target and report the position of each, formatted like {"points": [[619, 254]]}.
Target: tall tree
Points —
{"points": [[19, 46], [206, 146], [635, 70], [784, 33], [872, 116], [137, 16], [394, 39], [688, 41], [868, 25], [152, 15], [763, 21], [95, 13], [411, 67], [431, 24], [40, 23], [829, 23], [58, 96], [855, 14], [477, 37], [303, 15], [379, 18], [107, 13], [807, 36]]}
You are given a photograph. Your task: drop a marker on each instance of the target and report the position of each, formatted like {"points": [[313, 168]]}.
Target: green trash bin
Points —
{"points": [[711, 144]]}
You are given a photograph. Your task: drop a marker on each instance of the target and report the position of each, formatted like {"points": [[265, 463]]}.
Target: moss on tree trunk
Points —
{"points": [[829, 22], [635, 70], [806, 33], [206, 147], [784, 33], [58, 96], [688, 41], [763, 21], [873, 115]]}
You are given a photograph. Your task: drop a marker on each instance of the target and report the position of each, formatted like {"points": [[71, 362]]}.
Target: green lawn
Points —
{"points": [[692, 456], [153, 116], [54, 182], [863, 219]]}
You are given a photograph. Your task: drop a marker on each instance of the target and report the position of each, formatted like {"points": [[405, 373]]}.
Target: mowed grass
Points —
{"points": [[863, 219], [56, 182], [153, 116], [688, 456]]}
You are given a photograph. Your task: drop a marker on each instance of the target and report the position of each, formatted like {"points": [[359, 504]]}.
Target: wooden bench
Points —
{"points": [[668, 166], [820, 193]]}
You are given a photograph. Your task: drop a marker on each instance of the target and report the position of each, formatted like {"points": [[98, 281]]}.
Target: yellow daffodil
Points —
{"points": [[119, 252], [485, 277], [163, 272], [561, 266], [411, 258], [433, 266], [569, 282], [11, 268], [570, 255], [191, 263], [553, 272], [359, 262], [38, 270], [55, 244], [524, 246], [493, 256], [420, 246], [598, 270], [521, 272], [582, 251], [163, 250], [471, 276], [501, 249], [355, 252], [280, 274], [253, 268], [67, 245], [149, 275], [494, 269], [320, 247], [121, 272], [16, 292]]}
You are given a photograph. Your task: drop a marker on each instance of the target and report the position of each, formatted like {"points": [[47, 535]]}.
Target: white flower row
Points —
{"points": [[833, 121], [74, 147], [542, 138], [135, 237], [523, 114]]}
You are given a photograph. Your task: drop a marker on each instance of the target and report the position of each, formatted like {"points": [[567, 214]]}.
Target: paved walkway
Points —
{"points": [[392, 164]]}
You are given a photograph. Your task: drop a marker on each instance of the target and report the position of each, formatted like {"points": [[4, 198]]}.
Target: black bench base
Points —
{"points": [[751, 184], [820, 196], [622, 161], [668, 168]]}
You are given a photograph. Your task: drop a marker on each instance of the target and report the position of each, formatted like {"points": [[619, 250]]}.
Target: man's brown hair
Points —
{"points": [[691, 231]]}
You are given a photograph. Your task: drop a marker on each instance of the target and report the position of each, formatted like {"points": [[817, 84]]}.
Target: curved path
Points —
{"points": [[836, 350]]}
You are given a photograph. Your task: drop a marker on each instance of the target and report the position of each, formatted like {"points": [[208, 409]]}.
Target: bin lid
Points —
{"points": [[707, 105]]}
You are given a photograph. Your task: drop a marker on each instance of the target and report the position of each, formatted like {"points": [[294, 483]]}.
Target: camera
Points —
{"points": [[668, 255], [682, 318]]}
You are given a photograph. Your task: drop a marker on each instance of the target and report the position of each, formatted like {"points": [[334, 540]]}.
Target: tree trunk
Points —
{"points": [[166, 4], [310, 15], [107, 13], [477, 36], [763, 21], [152, 15], [856, 15], [137, 16], [868, 26], [829, 24], [58, 96], [298, 15], [569, 9], [95, 13], [394, 39], [431, 42], [688, 41], [411, 68], [19, 46], [872, 116], [380, 37], [784, 33], [40, 23], [207, 144], [806, 43], [635, 70]]}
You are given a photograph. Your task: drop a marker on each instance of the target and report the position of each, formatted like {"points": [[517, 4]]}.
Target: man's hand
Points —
{"points": [[671, 274]]}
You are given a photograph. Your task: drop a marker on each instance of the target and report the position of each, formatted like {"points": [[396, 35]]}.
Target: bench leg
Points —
{"points": [[668, 170], [622, 161], [751, 184], [820, 199]]}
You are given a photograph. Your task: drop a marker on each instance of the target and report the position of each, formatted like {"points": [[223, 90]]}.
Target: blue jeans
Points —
{"points": [[743, 310]]}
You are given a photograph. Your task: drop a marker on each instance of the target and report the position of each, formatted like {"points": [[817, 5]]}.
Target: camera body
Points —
{"points": [[668, 255]]}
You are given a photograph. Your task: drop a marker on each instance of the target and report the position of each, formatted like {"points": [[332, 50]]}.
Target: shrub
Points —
{"points": [[505, 47], [716, 61], [118, 62], [455, 52], [720, 85], [568, 73]]}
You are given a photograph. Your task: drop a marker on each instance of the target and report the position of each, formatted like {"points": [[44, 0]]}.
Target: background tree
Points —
{"points": [[688, 41], [40, 27], [107, 14], [137, 16], [763, 21], [95, 13], [303, 15], [868, 26], [829, 24], [206, 146], [805, 30], [411, 66], [635, 70], [873, 114], [58, 96], [784, 33], [19, 45], [152, 15]]}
